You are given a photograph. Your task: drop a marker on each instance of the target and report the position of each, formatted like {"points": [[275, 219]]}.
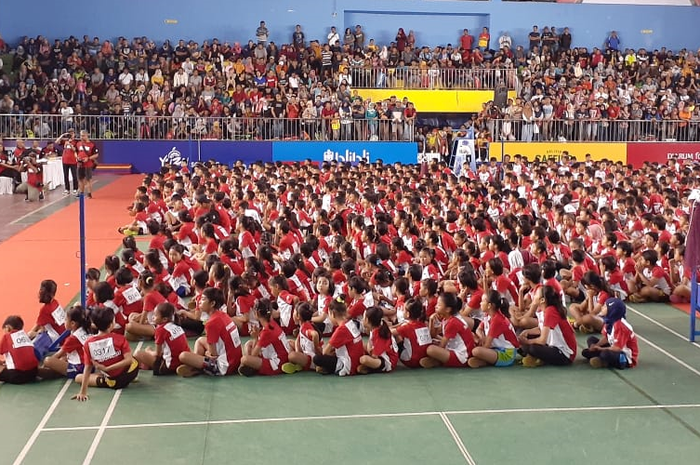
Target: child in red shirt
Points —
{"points": [[308, 343], [342, 353], [170, 339], [68, 361], [413, 335], [268, 348], [219, 352], [382, 352], [109, 353], [20, 365], [52, 317]]}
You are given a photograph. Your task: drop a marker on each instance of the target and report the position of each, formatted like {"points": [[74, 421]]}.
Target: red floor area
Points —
{"points": [[50, 248]]}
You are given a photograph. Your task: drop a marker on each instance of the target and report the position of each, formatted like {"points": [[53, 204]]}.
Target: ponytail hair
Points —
{"points": [[147, 279], [415, 309], [375, 316], [452, 302], [263, 309], [553, 298], [494, 298], [78, 315], [128, 257], [338, 307]]}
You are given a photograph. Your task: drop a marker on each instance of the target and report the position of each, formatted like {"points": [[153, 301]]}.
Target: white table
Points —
{"points": [[53, 174]]}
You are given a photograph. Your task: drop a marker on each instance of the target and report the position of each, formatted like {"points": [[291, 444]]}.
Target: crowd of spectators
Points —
{"points": [[306, 88], [605, 94]]}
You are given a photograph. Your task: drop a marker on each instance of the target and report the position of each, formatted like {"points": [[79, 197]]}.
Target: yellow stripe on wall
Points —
{"points": [[435, 101]]}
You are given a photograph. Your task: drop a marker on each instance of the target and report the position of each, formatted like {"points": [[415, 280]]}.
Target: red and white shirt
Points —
{"points": [[222, 334], [623, 338], [416, 340], [173, 340], [460, 340], [106, 349], [52, 317], [274, 345], [347, 342], [18, 351]]}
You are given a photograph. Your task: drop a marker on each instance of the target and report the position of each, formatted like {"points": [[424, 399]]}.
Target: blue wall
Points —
{"points": [[639, 26]]}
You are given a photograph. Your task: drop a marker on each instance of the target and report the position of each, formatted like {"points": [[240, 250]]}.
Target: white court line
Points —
{"points": [[376, 415], [460, 445], [669, 355], [40, 427], [47, 205], [662, 326], [108, 415]]}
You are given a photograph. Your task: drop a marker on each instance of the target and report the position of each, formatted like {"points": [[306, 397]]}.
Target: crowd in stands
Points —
{"points": [[564, 91], [437, 270], [610, 93]]}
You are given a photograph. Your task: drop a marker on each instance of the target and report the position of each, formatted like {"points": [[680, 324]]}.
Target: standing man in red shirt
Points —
{"points": [[69, 160], [87, 158]]}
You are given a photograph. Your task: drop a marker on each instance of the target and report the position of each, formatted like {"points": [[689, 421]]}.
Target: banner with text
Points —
{"points": [[661, 152], [613, 151], [149, 156], [350, 152]]}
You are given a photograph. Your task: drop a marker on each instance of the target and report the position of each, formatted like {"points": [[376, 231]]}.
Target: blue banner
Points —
{"points": [[145, 156], [352, 152], [148, 156], [228, 152]]}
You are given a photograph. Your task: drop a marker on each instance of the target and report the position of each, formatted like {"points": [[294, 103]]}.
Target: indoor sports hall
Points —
{"points": [[330, 192], [489, 416]]}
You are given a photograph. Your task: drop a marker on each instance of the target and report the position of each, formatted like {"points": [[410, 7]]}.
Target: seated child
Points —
{"points": [[20, 365], [219, 352], [109, 353], [618, 346], [68, 361], [171, 341]]}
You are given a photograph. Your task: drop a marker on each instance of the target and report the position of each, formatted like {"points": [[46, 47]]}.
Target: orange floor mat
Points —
{"points": [[50, 248]]}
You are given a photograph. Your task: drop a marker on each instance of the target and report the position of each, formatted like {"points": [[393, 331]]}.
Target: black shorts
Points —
{"points": [[160, 368], [84, 173], [18, 376], [121, 381], [381, 368]]}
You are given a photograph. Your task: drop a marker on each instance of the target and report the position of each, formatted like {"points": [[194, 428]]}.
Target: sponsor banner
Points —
{"points": [[613, 151], [229, 152], [661, 152], [149, 156], [350, 152], [145, 156], [435, 101]]}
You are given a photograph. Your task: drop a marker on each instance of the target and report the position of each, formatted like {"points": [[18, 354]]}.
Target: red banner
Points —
{"points": [[661, 152]]}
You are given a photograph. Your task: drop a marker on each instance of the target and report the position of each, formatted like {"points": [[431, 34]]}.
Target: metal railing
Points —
{"points": [[136, 127], [587, 130], [433, 78]]}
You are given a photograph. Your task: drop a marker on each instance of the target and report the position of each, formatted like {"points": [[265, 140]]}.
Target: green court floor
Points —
{"points": [[573, 415]]}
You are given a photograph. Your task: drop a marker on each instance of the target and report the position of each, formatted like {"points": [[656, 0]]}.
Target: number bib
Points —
{"points": [[423, 336], [102, 350], [131, 295], [20, 339]]}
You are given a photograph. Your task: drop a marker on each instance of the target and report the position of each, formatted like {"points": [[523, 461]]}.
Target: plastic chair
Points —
{"points": [[43, 345]]}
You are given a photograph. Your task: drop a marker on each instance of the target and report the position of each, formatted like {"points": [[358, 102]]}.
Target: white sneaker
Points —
{"points": [[66, 192], [75, 192]]}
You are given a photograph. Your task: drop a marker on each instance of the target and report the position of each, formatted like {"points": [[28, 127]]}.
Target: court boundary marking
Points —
{"points": [[663, 326], [70, 197], [105, 419], [44, 420], [594, 408]]}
